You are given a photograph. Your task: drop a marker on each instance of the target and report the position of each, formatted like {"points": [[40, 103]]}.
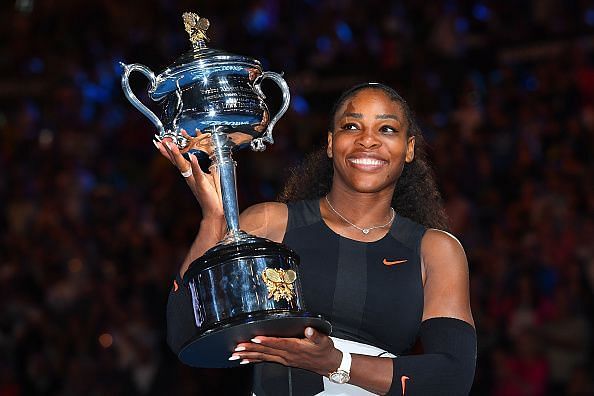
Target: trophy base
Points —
{"points": [[212, 348]]}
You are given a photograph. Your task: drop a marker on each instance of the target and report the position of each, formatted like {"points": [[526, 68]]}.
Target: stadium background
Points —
{"points": [[94, 222]]}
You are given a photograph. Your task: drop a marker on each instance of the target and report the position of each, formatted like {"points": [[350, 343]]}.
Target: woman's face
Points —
{"points": [[369, 145]]}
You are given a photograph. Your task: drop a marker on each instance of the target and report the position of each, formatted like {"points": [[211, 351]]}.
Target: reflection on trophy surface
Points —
{"points": [[245, 285]]}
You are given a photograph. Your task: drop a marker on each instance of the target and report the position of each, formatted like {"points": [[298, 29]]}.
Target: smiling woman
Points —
{"points": [[366, 219], [369, 145], [417, 196]]}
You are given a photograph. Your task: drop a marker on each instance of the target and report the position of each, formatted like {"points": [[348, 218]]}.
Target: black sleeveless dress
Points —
{"points": [[371, 292]]}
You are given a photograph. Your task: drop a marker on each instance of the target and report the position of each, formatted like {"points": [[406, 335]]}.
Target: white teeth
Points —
{"points": [[367, 161]]}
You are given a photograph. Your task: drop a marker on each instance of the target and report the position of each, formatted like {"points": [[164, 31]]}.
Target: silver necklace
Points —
{"points": [[363, 230]]}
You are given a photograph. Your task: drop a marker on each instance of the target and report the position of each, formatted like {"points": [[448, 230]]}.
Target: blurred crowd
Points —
{"points": [[94, 223]]}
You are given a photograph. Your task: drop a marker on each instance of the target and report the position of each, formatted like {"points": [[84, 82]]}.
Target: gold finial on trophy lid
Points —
{"points": [[196, 28]]}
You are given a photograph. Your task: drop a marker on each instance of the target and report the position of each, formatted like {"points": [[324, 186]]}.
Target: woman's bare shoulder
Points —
{"points": [[446, 290], [443, 252], [266, 220], [438, 241]]}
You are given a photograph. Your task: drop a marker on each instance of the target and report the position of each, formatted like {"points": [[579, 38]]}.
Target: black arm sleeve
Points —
{"points": [[180, 316], [447, 365]]}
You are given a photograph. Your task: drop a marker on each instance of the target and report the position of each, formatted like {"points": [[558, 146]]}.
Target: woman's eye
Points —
{"points": [[388, 129], [350, 127]]}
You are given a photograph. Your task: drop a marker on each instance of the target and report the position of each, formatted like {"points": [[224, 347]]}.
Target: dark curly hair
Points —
{"points": [[416, 195]]}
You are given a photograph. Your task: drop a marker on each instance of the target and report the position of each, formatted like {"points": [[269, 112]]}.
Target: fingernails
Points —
{"points": [[239, 349], [168, 145], [192, 157], [235, 357], [244, 361], [256, 341], [156, 144], [309, 332]]}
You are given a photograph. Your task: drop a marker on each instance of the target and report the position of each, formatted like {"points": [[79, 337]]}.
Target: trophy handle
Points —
{"points": [[258, 143], [133, 99]]}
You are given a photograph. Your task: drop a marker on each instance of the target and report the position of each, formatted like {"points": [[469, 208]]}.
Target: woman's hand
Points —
{"points": [[202, 184], [315, 352]]}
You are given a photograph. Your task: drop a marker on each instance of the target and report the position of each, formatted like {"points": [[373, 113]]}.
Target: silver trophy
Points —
{"points": [[245, 285]]}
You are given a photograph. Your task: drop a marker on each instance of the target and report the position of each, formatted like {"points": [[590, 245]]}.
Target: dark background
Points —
{"points": [[94, 222]]}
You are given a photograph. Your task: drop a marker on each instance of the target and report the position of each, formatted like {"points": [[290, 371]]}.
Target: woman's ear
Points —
{"points": [[410, 149], [329, 148]]}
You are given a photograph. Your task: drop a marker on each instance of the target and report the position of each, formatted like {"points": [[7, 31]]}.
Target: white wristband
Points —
{"points": [[342, 375]]}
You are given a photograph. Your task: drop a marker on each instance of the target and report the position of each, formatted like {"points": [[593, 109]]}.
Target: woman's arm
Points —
{"points": [[213, 225], [446, 290], [267, 220], [447, 334]]}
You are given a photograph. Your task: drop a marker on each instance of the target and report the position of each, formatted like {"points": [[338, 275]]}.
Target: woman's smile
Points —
{"points": [[366, 162]]}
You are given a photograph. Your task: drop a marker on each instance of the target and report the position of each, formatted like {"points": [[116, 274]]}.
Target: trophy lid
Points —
{"points": [[199, 62]]}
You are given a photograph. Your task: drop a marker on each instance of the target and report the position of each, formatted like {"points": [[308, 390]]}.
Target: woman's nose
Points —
{"points": [[368, 139]]}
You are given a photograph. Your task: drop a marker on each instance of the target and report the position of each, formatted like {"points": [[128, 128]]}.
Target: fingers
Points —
{"points": [[313, 335], [272, 345], [197, 177], [256, 357], [200, 178], [244, 361], [274, 342], [161, 147], [257, 353], [195, 165], [190, 170], [185, 134], [314, 353], [169, 150], [271, 348], [176, 157]]}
